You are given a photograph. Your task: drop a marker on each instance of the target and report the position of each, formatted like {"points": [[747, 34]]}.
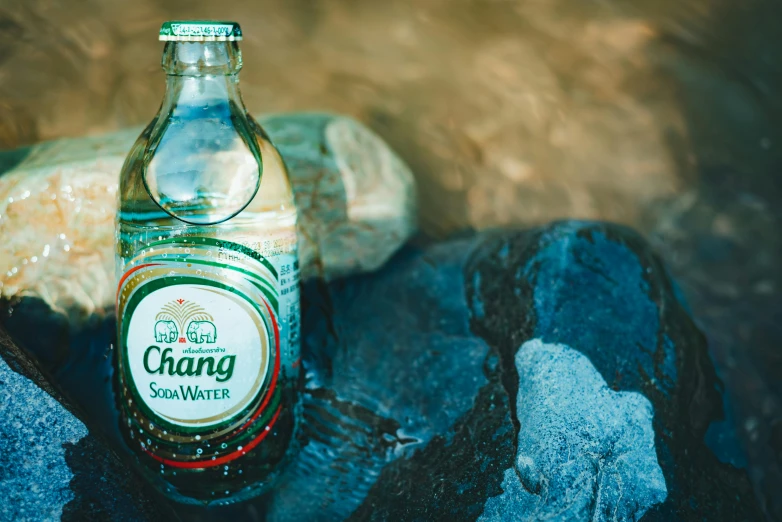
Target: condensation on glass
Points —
{"points": [[207, 365]]}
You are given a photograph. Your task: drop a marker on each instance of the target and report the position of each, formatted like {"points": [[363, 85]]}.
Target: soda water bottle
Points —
{"points": [[207, 361]]}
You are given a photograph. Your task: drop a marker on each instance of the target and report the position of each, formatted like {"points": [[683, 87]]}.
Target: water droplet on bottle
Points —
{"points": [[198, 437], [199, 451], [224, 445]]}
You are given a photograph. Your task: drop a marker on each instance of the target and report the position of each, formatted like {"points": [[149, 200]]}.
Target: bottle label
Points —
{"points": [[199, 349]]}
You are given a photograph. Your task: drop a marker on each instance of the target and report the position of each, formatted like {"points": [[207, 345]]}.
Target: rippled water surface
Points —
{"points": [[661, 115]]}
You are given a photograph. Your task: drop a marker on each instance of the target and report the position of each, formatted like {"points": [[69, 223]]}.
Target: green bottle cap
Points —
{"points": [[199, 31]]}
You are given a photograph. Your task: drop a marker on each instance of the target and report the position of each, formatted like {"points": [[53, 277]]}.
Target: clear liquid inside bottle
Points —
{"points": [[205, 205]]}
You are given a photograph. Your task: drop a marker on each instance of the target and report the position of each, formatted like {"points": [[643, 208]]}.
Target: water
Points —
{"points": [[529, 132]]}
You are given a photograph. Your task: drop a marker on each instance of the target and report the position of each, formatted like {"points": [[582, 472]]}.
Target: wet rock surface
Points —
{"points": [[34, 431], [51, 468], [356, 202], [585, 452], [550, 372], [659, 114]]}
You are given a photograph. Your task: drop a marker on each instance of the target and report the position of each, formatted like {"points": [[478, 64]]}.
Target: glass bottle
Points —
{"points": [[207, 361]]}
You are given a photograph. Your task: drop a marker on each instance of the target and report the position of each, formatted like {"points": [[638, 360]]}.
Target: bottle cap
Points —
{"points": [[199, 31]]}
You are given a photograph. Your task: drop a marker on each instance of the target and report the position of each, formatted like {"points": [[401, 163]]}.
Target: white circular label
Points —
{"points": [[197, 354]]}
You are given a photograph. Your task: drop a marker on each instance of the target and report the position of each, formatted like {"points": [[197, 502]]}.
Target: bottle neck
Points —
{"points": [[202, 164], [200, 74]]}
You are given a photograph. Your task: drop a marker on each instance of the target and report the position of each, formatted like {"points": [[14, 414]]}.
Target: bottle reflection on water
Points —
{"points": [[207, 366]]}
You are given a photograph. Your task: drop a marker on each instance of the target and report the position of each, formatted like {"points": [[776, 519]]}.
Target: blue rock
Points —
{"points": [[420, 403], [380, 391], [34, 433], [599, 289], [585, 452], [51, 468]]}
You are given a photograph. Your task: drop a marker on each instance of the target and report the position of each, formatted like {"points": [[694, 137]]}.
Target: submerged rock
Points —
{"points": [[509, 375], [391, 365], [599, 289]]}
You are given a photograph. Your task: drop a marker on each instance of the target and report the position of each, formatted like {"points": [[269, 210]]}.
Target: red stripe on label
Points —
{"points": [[226, 458], [125, 276], [272, 384]]}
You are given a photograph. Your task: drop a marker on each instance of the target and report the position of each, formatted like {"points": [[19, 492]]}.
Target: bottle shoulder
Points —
{"points": [[212, 163]]}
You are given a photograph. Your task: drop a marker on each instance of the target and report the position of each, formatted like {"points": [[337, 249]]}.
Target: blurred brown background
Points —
{"points": [[509, 111], [656, 113]]}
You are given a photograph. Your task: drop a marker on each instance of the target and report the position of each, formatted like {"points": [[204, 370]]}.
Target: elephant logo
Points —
{"points": [[166, 332], [201, 332], [188, 318]]}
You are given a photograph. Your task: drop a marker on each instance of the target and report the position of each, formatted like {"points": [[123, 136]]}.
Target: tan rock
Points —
{"points": [[58, 202]]}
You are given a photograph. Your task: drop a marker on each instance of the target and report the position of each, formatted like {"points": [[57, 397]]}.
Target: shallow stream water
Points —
{"points": [[660, 115]]}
